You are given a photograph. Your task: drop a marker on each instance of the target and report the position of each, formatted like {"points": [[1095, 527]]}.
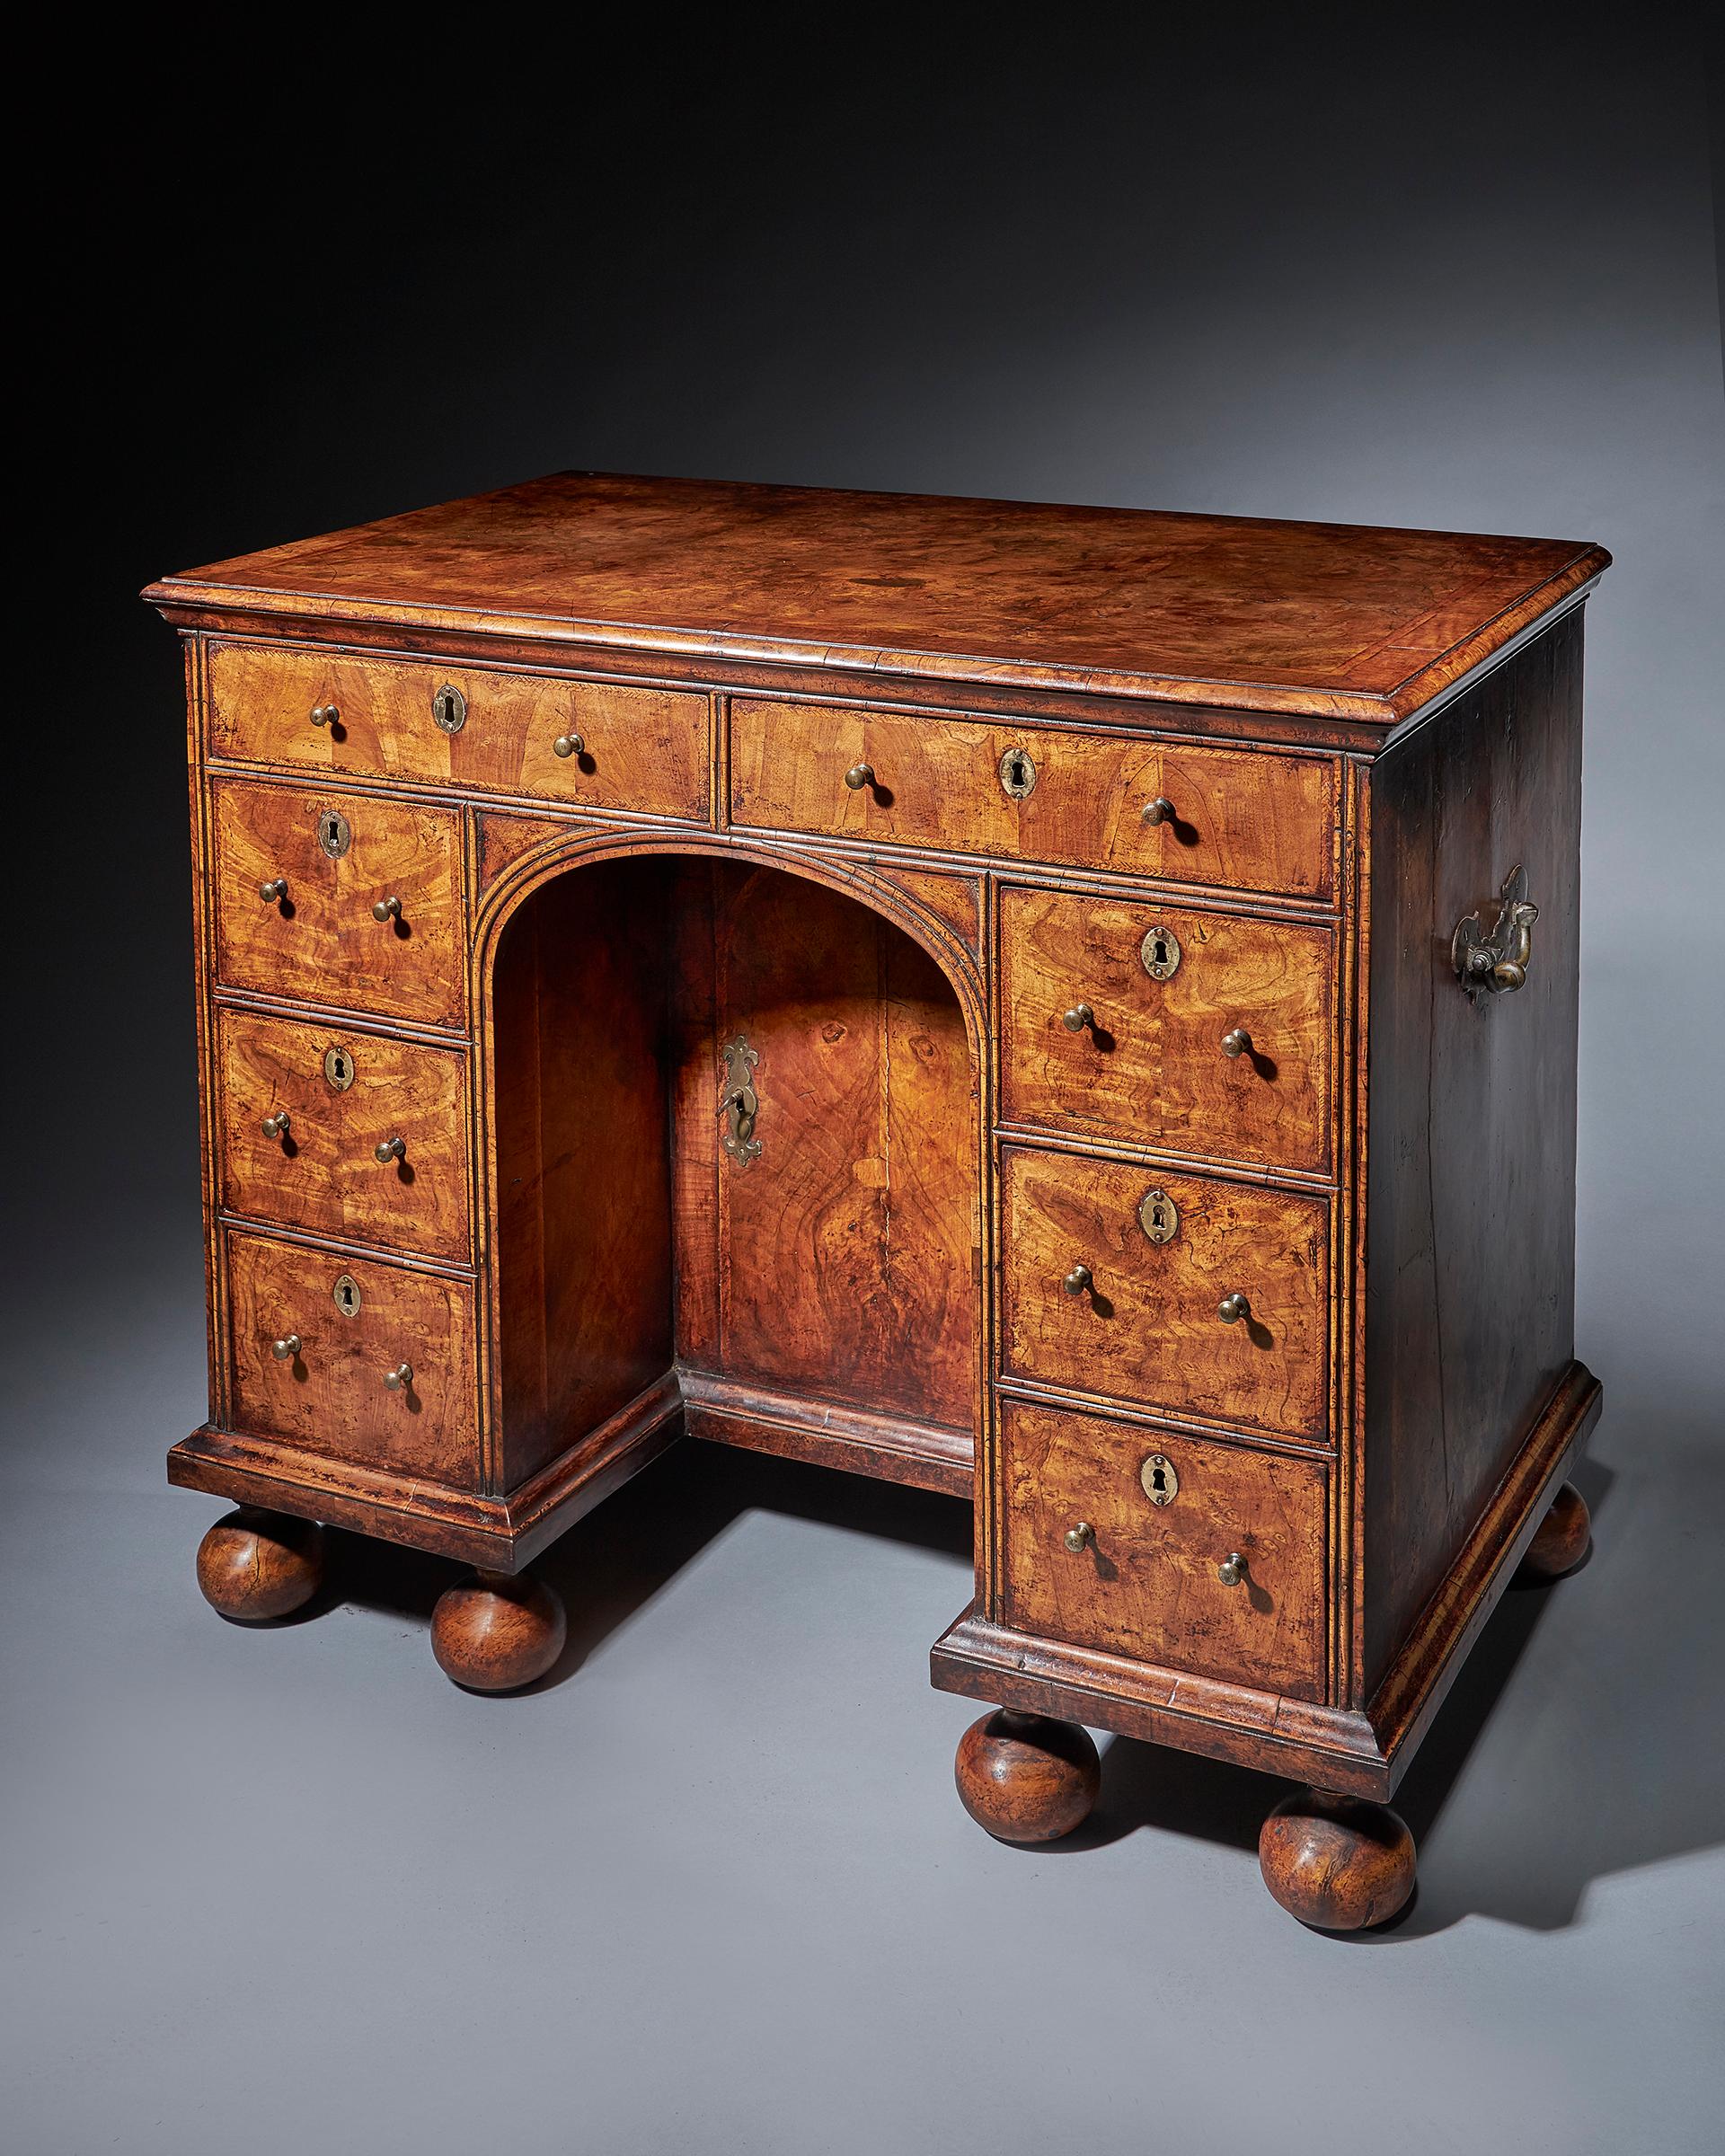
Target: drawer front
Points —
{"points": [[344, 1095], [1248, 820], [1144, 1324], [322, 939], [1152, 1066], [645, 749], [329, 1396], [1146, 1581]]}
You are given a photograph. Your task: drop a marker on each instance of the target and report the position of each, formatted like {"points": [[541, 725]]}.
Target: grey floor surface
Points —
{"points": [[708, 1888]]}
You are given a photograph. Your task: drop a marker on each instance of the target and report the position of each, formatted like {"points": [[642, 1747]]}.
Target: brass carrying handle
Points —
{"points": [[1159, 811], [387, 909], [569, 745], [273, 892], [1236, 1042], [276, 1125], [1080, 1016], [285, 1348], [1491, 961], [1079, 1537], [858, 776], [1232, 1570], [1078, 1279], [326, 714], [390, 1149], [401, 1378], [1232, 1308]]}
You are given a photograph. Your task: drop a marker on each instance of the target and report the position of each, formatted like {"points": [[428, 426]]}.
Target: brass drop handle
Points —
{"points": [[1232, 1308], [400, 1378], [285, 1348], [1078, 1279], [858, 776], [325, 714], [273, 892], [1495, 960], [1080, 1016], [276, 1125], [569, 745], [1232, 1570], [1236, 1042], [1159, 811], [387, 909], [391, 1149], [1079, 1537]]}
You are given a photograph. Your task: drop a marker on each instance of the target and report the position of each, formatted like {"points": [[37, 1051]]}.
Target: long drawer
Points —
{"points": [[343, 1133], [317, 1338], [605, 745], [1207, 1033], [1180, 1552], [338, 898], [1183, 1293], [1258, 822]]}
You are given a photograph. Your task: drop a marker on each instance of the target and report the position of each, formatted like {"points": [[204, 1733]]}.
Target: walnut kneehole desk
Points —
{"points": [[1075, 1008]]}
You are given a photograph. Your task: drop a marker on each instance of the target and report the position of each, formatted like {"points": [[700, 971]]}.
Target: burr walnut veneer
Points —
{"points": [[1070, 1007]]}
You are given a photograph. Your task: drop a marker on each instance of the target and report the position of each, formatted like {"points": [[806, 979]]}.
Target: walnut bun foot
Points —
{"points": [[254, 1565], [494, 1633], [1562, 1541], [1337, 1863], [1026, 1778]]}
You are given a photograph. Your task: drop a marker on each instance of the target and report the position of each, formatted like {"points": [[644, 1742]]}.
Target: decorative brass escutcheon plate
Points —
{"points": [[334, 832], [449, 710], [345, 1295], [1159, 1216], [739, 1102], [1017, 773], [1160, 952], [1161, 1483], [338, 1069]]}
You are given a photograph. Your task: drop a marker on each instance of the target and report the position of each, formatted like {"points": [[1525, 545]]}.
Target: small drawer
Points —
{"points": [[305, 1109], [1247, 820], [605, 745], [1117, 1278], [344, 1327], [301, 879], [1092, 1038], [1092, 1556]]}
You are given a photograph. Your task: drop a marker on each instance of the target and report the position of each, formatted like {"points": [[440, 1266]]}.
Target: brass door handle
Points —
{"points": [[285, 1348], [400, 1378], [1232, 1308], [1232, 1570], [276, 1125], [1079, 1537], [325, 714], [387, 909], [1078, 1279], [273, 892], [1159, 811], [390, 1149], [1080, 1016], [858, 776], [1236, 1042], [569, 745]]}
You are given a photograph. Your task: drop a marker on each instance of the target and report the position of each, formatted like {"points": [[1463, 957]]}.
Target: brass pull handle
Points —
{"points": [[285, 1348], [273, 892], [1078, 1279], [1079, 1537], [1232, 1308], [391, 1149], [1491, 961], [858, 776], [569, 745], [276, 1125], [1080, 1016], [326, 714], [400, 1378], [1237, 1042], [387, 909], [1232, 1570], [1159, 811]]}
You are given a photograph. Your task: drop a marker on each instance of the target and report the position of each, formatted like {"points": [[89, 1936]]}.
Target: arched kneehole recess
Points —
{"points": [[736, 1118]]}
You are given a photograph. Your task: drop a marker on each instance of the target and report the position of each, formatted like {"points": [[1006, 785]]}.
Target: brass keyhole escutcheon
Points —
{"points": [[334, 832], [338, 1069], [449, 710], [1159, 1216], [346, 1296], [1160, 952], [1161, 1483], [1017, 773]]}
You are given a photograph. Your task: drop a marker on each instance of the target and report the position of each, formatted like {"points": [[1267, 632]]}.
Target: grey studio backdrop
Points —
{"points": [[709, 1888]]}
